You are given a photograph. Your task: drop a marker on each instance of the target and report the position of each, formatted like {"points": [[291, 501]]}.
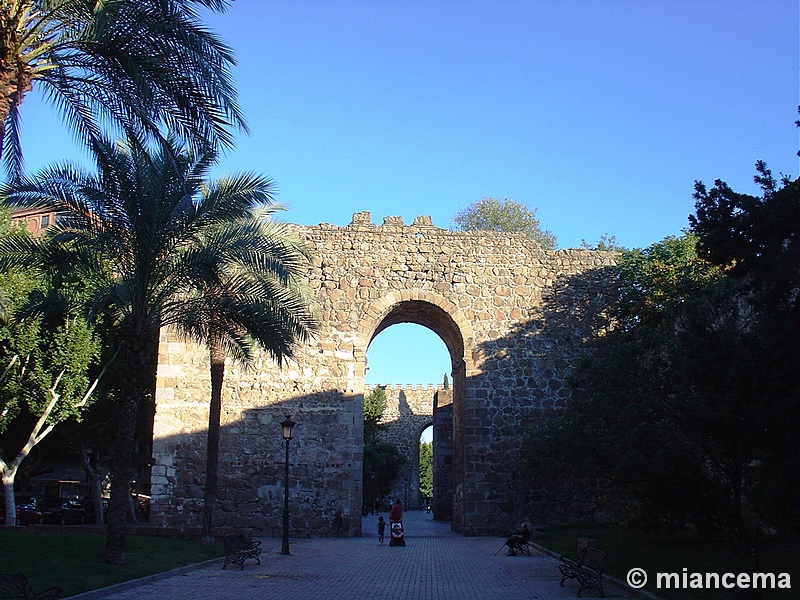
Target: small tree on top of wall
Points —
{"points": [[493, 214]]}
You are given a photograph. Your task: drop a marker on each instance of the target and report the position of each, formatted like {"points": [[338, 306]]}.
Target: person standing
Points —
{"points": [[381, 530]]}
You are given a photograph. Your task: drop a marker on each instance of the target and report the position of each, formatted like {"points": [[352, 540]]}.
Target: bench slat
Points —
{"points": [[16, 585], [239, 548], [587, 570]]}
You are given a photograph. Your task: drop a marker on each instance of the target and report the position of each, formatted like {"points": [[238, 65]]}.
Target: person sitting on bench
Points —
{"points": [[518, 540]]}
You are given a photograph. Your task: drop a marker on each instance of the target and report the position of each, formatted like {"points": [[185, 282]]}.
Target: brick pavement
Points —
{"points": [[435, 564]]}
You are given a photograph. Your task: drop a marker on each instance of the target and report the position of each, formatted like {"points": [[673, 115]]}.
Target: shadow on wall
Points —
{"points": [[524, 380], [325, 467]]}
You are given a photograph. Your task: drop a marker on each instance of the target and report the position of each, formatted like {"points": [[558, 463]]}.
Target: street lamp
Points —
{"points": [[286, 431]]}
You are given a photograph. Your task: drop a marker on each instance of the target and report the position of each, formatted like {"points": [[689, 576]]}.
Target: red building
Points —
{"points": [[36, 219]]}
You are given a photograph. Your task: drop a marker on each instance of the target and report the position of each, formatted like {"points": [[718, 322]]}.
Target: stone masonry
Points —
{"points": [[514, 318], [409, 411]]}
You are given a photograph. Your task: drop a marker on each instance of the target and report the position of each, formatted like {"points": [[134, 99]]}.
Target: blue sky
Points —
{"points": [[599, 114]]}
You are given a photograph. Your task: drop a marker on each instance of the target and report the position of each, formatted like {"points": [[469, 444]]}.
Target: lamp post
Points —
{"points": [[286, 431]]}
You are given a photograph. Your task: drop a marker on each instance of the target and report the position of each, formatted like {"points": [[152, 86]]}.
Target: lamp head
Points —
{"points": [[286, 427]]}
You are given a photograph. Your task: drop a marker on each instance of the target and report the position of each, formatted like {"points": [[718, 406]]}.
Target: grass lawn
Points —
{"points": [[74, 560], [670, 554]]}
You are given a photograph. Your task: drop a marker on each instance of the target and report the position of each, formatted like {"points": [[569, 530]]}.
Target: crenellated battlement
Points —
{"points": [[404, 387], [364, 219]]}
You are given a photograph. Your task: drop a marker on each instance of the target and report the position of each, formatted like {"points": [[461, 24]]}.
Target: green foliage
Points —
{"points": [[684, 413], [492, 214], [47, 353], [15, 284], [755, 239], [382, 464], [152, 240], [607, 243], [752, 237], [374, 405], [426, 469], [135, 66], [657, 281], [41, 349]]}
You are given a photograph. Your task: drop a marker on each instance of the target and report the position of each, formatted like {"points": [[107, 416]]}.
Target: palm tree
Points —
{"points": [[252, 297], [135, 66], [140, 232]]}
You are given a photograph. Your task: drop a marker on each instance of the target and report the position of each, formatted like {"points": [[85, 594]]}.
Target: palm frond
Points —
{"points": [[132, 67]]}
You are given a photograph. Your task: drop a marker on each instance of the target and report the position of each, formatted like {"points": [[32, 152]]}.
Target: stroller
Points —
{"points": [[396, 537]]}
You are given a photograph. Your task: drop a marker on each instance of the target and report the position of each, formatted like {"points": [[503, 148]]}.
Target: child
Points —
{"points": [[381, 529]]}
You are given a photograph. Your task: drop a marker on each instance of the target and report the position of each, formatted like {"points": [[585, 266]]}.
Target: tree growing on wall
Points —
{"points": [[606, 243], [510, 216]]}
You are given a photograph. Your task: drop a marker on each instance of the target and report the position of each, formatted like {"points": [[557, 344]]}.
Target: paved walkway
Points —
{"points": [[435, 564]]}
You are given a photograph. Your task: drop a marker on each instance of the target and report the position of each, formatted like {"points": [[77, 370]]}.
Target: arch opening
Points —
{"points": [[412, 409], [406, 354]]}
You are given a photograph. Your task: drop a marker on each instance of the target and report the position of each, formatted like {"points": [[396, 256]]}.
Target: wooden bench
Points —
{"points": [[587, 570], [17, 586], [239, 548]]}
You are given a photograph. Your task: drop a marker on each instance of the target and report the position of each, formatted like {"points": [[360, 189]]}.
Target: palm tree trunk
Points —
{"points": [[217, 360], [136, 382], [121, 471], [15, 82]]}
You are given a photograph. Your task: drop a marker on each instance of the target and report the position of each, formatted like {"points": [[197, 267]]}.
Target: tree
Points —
{"points": [[253, 296], [426, 469], [374, 405], [492, 214], [674, 417], [657, 281], [44, 382], [130, 231], [756, 240], [137, 66], [45, 361], [753, 237], [681, 402]]}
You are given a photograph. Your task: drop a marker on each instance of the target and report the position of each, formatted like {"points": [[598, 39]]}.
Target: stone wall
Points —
{"points": [[443, 455], [409, 410], [515, 320]]}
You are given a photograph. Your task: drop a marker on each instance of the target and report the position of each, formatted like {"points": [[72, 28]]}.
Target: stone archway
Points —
{"points": [[443, 317], [515, 319]]}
